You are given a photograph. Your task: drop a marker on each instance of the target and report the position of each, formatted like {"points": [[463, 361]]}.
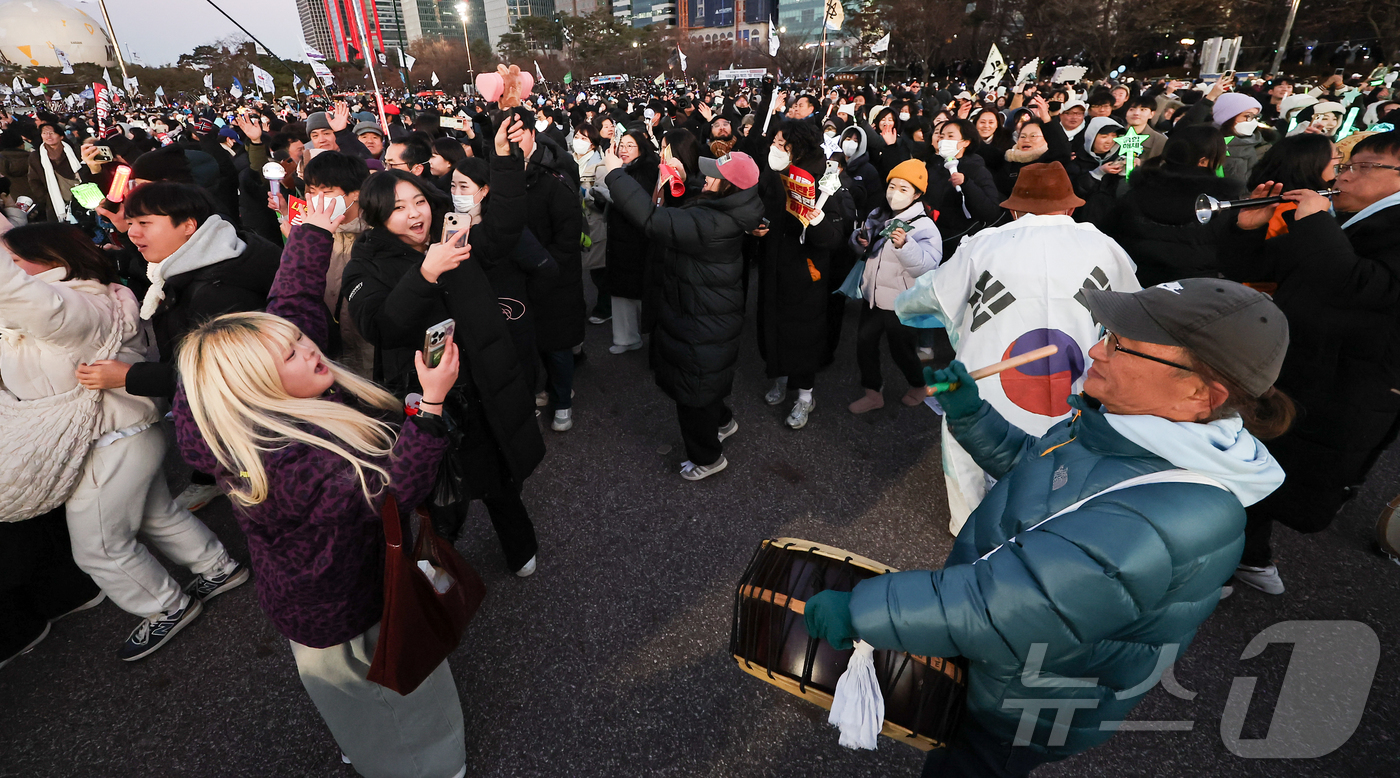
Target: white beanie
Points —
{"points": [[1230, 105]]}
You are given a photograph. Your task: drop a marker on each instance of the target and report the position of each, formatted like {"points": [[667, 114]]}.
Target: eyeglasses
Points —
{"points": [[1362, 167], [1110, 341]]}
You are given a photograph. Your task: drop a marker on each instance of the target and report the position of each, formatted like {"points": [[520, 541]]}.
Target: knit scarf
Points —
{"points": [[51, 178], [1016, 155], [215, 241]]}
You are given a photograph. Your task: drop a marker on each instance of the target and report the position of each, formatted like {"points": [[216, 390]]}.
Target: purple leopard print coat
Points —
{"points": [[317, 546]]}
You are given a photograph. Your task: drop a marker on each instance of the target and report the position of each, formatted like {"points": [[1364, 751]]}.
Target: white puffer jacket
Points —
{"points": [[48, 326]]}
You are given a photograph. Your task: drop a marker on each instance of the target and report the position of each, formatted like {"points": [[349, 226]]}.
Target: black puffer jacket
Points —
{"points": [[554, 214], [237, 284], [627, 243], [1155, 222], [792, 302], [979, 195], [393, 305], [700, 300]]}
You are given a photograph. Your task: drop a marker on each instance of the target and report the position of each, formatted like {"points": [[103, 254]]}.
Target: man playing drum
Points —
{"points": [[1103, 546]]}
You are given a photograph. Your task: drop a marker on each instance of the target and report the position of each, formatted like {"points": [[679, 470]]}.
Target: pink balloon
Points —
{"points": [[490, 86]]}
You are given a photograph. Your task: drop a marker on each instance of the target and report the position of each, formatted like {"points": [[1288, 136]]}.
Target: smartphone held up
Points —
{"points": [[435, 341]]}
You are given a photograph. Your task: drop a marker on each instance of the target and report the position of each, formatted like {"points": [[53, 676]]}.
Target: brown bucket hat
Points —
{"points": [[1042, 188]]}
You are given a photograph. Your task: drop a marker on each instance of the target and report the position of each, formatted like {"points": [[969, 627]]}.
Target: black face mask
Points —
{"points": [[1055, 106]]}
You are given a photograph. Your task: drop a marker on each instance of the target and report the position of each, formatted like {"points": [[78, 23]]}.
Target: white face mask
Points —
{"points": [[464, 203], [1246, 128], [541, 125], [947, 149], [829, 134], [778, 159], [850, 147], [904, 116], [340, 206], [581, 146], [899, 200]]}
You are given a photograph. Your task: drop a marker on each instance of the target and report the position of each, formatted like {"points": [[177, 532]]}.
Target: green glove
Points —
{"points": [[963, 401], [828, 617]]}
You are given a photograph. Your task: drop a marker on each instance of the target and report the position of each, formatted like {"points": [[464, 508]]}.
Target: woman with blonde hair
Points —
{"points": [[308, 451]]}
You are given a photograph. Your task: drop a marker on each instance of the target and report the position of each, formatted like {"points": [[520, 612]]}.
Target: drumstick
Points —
{"points": [[781, 600], [990, 370]]}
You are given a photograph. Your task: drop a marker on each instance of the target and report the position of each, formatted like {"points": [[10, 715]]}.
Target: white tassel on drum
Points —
{"points": [[858, 707]]}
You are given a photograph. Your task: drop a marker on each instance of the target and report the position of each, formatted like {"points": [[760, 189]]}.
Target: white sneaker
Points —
{"points": [[563, 420], [1265, 579], [542, 399], [529, 568], [728, 429], [624, 349], [778, 393], [797, 419], [693, 472], [197, 496]]}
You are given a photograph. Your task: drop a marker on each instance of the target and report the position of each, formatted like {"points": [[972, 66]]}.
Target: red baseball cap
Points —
{"points": [[736, 167]]}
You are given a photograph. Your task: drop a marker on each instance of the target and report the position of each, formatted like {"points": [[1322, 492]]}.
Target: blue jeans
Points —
{"points": [[559, 377]]}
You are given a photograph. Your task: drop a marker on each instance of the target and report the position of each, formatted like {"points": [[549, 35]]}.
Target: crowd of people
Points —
{"points": [[266, 273]]}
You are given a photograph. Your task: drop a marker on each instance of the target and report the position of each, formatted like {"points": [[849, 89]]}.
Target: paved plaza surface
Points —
{"points": [[613, 659]]}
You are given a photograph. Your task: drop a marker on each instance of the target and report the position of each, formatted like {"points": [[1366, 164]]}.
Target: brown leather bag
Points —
{"points": [[423, 618]]}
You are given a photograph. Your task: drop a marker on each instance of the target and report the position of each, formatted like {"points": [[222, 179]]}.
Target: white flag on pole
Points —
{"points": [[435, 78], [63, 60], [881, 45], [107, 78], [1028, 71], [772, 41], [208, 80], [835, 14], [539, 76], [401, 62], [312, 54], [411, 60], [263, 79], [992, 72], [683, 57]]}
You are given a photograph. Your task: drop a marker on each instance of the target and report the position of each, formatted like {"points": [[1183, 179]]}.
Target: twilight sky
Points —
{"points": [[159, 31]]}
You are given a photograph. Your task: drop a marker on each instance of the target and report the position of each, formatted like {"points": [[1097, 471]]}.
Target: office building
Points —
{"points": [[713, 21]]}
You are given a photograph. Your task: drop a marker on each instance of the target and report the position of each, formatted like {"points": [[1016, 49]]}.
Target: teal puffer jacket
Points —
{"points": [[1105, 590]]}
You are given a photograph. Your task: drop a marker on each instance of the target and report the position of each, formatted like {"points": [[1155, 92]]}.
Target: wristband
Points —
{"points": [[430, 402]]}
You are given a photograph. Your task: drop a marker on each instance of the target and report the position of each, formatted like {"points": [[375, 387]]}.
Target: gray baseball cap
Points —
{"points": [[368, 126], [1236, 330]]}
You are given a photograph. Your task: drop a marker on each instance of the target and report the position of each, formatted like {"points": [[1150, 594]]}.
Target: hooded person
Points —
{"points": [[1097, 168], [1012, 289], [199, 266], [869, 192], [1105, 542]]}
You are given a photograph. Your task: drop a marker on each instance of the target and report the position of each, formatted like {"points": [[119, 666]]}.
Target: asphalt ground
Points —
{"points": [[613, 659]]}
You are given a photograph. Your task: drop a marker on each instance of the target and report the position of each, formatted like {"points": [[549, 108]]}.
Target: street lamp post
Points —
{"points": [[462, 13]]}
